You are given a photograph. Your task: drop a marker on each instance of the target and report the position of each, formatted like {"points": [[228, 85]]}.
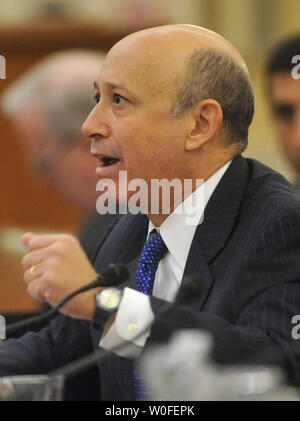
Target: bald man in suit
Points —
{"points": [[173, 102]]}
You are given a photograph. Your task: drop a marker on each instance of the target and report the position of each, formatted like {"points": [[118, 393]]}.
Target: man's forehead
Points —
{"points": [[132, 68]]}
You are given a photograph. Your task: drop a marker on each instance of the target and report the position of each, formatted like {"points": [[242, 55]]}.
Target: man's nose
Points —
{"points": [[96, 125]]}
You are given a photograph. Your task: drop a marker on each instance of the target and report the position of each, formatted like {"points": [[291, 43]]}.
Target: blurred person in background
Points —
{"points": [[283, 84], [47, 106]]}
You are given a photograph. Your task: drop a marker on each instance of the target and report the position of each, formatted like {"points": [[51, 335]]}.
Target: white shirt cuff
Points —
{"points": [[133, 316]]}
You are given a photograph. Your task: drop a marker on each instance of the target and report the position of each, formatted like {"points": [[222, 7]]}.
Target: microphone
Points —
{"points": [[188, 291], [113, 276]]}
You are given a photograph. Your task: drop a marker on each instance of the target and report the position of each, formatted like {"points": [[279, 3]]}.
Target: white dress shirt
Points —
{"points": [[177, 231]]}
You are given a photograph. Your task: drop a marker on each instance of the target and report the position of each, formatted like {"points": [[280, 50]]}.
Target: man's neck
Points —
{"points": [[159, 218]]}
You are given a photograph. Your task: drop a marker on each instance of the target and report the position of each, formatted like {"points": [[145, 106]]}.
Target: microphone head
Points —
{"points": [[114, 275]]}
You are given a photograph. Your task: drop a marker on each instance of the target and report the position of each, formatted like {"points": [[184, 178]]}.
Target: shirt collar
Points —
{"points": [[179, 228]]}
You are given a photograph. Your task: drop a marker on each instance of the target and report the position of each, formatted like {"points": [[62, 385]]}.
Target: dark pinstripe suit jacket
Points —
{"points": [[246, 257]]}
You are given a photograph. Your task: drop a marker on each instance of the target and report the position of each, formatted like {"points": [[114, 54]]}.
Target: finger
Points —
{"points": [[33, 273], [27, 237], [35, 290], [41, 241], [34, 258]]}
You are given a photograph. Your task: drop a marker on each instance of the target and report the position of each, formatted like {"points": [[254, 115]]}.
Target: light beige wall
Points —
{"points": [[13, 11], [284, 18], [107, 10]]}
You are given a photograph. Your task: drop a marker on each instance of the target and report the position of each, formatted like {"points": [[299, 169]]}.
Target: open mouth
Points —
{"points": [[108, 166], [107, 161]]}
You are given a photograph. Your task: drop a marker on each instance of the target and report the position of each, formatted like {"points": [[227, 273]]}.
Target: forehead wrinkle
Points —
{"points": [[116, 85], [139, 79], [111, 86]]}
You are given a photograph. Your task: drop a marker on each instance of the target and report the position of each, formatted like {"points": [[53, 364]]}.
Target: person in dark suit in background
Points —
{"points": [[283, 88], [173, 102]]}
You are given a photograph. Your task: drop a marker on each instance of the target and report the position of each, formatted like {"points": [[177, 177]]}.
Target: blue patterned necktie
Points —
{"points": [[153, 251]]}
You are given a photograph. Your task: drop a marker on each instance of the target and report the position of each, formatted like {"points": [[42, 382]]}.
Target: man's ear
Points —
{"points": [[208, 117]]}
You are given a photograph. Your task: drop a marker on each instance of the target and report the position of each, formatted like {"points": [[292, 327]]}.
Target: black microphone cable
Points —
{"points": [[113, 276], [185, 294], [188, 291]]}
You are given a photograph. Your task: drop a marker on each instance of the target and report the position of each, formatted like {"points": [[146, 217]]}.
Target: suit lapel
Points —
{"points": [[212, 235], [124, 245]]}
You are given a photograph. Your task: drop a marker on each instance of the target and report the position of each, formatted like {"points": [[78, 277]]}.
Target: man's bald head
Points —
{"points": [[184, 39], [194, 64]]}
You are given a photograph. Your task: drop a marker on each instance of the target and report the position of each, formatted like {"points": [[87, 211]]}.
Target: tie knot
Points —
{"points": [[155, 246]]}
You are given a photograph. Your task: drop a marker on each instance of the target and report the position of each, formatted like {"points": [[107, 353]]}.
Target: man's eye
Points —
{"points": [[118, 99], [97, 98], [284, 112]]}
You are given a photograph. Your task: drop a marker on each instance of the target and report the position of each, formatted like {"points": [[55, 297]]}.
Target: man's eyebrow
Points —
{"points": [[111, 86], [116, 86]]}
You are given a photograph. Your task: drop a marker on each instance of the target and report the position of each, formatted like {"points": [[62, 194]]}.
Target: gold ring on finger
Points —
{"points": [[32, 271]]}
